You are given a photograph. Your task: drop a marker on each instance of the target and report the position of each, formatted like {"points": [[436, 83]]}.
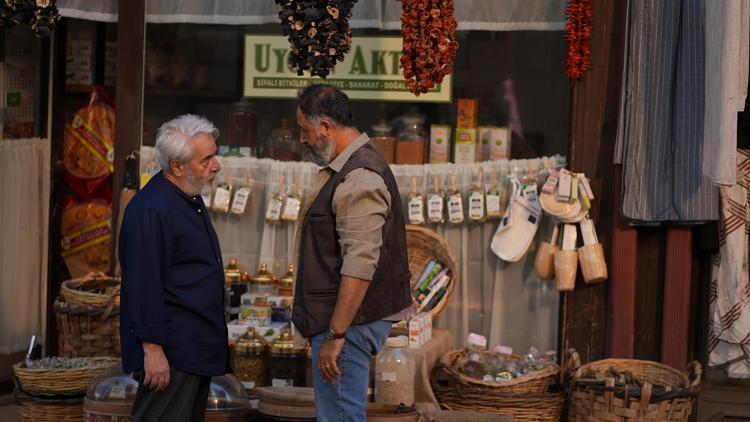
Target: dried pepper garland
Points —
{"points": [[318, 31], [429, 31], [578, 37], [40, 15]]}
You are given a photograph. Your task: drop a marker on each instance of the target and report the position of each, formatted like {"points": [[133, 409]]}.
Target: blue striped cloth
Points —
{"points": [[660, 130]]}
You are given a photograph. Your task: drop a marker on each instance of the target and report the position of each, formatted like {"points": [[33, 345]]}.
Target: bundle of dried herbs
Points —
{"points": [[40, 15], [318, 31], [429, 31]]}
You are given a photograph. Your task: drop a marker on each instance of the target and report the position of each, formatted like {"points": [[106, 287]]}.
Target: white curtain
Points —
{"points": [[507, 303], [24, 210], [489, 15]]}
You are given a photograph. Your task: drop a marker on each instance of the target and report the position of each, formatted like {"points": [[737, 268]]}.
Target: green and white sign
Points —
{"points": [[370, 71]]}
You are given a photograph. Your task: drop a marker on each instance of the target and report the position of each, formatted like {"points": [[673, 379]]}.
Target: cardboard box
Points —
{"points": [[415, 332], [465, 146], [484, 134], [440, 136], [499, 146], [466, 115]]}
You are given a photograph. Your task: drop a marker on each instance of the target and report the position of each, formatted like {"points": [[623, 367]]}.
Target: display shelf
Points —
{"points": [[185, 92]]}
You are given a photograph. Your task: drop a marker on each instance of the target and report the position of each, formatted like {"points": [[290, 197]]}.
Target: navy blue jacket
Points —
{"points": [[172, 281]]}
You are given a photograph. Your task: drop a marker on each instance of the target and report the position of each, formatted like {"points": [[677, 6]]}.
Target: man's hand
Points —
{"points": [[155, 367], [329, 352]]}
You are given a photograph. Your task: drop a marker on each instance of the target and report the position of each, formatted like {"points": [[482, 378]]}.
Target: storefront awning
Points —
{"points": [[487, 15]]}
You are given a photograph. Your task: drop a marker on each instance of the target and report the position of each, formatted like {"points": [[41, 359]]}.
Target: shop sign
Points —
{"points": [[370, 71]]}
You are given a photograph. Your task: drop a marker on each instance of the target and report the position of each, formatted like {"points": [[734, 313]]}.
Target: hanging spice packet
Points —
{"points": [[416, 204], [476, 200], [222, 195], [492, 199], [455, 204], [242, 196], [436, 204], [293, 203], [275, 203]]}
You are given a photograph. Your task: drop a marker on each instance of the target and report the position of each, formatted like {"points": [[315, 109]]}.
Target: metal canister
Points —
{"points": [[262, 282]]}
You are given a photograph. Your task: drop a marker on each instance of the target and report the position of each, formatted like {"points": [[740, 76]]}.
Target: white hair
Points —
{"points": [[173, 139]]}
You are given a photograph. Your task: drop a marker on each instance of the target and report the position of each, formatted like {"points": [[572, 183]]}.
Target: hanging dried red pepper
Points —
{"points": [[578, 37], [429, 50]]}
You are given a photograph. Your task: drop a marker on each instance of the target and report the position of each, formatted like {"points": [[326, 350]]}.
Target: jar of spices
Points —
{"points": [[394, 373], [286, 283], [286, 363], [308, 366], [249, 360], [262, 282], [236, 286], [243, 125], [412, 142], [284, 144], [384, 141]]}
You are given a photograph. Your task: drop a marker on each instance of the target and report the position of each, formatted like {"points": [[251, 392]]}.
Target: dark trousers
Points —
{"points": [[184, 399]]}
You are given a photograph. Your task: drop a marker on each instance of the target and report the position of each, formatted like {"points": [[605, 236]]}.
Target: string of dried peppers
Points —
{"points": [[578, 37], [429, 50], [318, 31]]}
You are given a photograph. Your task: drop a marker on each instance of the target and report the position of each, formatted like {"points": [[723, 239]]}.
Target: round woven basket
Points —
{"points": [[533, 382], [456, 393], [51, 382], [87, 331], [36, 409], [666, 394], [95, 290], [424, 245]]}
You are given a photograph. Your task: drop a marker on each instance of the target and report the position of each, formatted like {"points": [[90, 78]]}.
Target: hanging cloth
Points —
{"points": [[729, 299], [660, 132]]}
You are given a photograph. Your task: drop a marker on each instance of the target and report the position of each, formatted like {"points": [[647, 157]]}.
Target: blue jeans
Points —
{"points": [[346, 400]]}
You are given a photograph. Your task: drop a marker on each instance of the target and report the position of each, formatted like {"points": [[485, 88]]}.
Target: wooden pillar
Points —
{"points": [[677, 288], [131, 37], [593, 123], [622, 278]]}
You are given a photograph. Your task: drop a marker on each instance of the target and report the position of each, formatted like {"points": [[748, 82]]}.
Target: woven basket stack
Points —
{"points": [[87, 313], [52, 390]]}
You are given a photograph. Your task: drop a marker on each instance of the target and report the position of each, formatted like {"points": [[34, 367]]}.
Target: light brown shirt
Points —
{"points": [[361, 203]]}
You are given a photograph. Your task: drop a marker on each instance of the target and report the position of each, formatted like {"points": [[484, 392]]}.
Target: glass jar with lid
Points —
{"points": [[262, 282], [412, 141], [284, 144], [286, 283], [236, 286], [249, 359], [286, 363], [394, 373], [227, 400], [110, 395], [384, 141], [243, 126]]}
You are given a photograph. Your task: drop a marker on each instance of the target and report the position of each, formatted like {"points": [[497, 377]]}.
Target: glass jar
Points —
{"points": [[243, 125], [283, 144], [236, 286], [249, 359], [286, 283], [308, 366], [411, 144], [384, 141], [262, 282], [286, 363], [394, 373]]}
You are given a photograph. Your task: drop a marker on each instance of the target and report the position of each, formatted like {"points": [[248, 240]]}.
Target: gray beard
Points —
{"points": [[196, 187], [322, 153]]}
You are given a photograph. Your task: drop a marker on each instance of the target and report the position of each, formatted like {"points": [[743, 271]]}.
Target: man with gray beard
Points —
{"points": [[353, 270], [172, 328]]}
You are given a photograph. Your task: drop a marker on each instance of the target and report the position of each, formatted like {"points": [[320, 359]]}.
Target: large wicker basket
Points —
{"points": [[87, 331], [456, 392], [666, 393], [36, 409], [423, 245], [53, 382], [94, 290]]}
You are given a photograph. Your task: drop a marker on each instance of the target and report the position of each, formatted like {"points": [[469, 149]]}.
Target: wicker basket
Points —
{"points": [[424, 245], [607, 402], [95, 290], [534, 382], [87, 331], [36, 409], [53, 382], [454, 392]]}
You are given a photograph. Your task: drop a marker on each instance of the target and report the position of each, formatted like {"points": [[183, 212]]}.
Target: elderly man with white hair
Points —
{"points": [[173, 333]]}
